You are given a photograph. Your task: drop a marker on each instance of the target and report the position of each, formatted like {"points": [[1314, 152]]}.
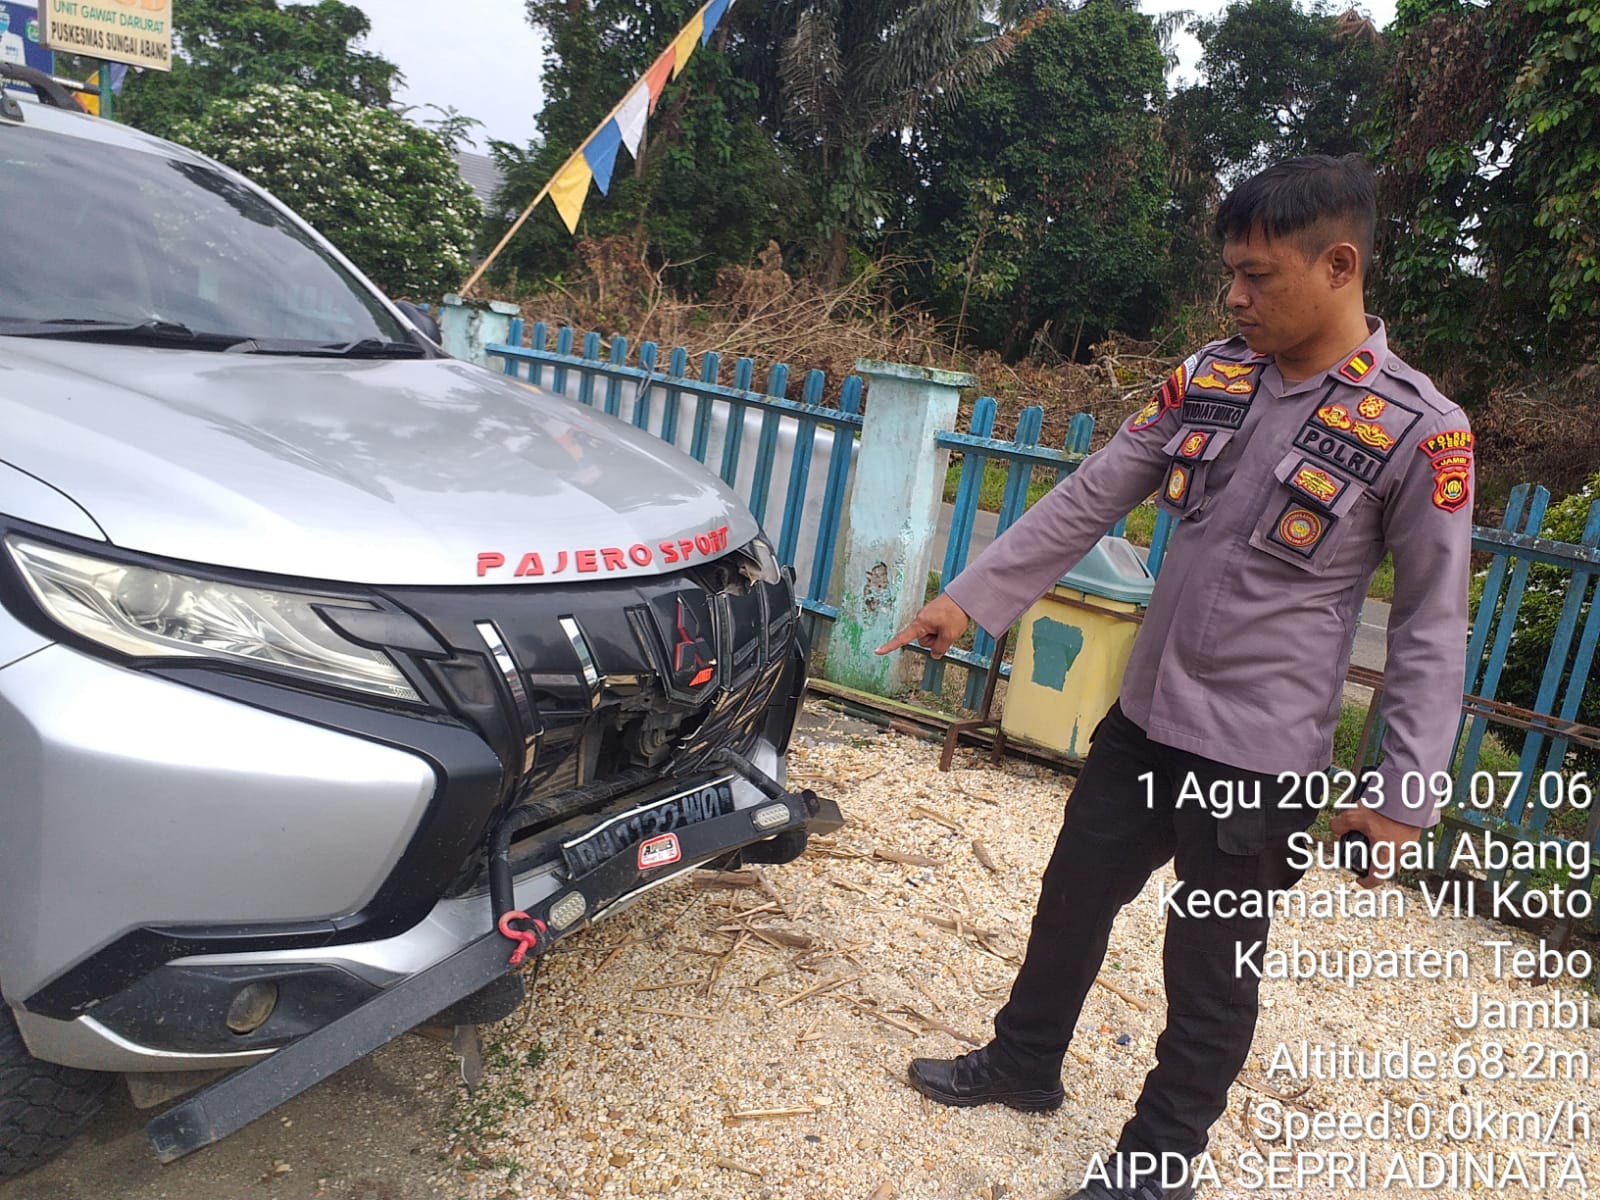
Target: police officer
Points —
{"points": [[1295, 453]]}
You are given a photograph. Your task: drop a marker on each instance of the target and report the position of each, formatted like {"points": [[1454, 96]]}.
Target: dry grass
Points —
{"points": [[762, 313]]}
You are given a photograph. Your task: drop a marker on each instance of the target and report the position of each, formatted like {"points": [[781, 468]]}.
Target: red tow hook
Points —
{"points": [[526, 939]]}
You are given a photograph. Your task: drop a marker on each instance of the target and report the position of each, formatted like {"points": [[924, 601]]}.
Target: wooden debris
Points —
{"points": [[727, 1164], [1122, 995], [923, 988], [816, 989], [981, 853], [686, 981], [862, 778], [605, 962], [810, 1034], [669, 1012], [906, 860], [768, 1114], [884, 1191], [879, 1016], [847, 885], [934, 1024], [767, 886], [957, 925], [927, 814]]}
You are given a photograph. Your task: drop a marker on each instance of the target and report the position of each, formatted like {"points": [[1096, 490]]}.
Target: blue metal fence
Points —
{"points": [[795, 441]]}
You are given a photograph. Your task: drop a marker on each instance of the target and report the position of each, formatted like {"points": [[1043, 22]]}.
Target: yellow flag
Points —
{"points": [[91, 99], [569, 189], [686, 43]]}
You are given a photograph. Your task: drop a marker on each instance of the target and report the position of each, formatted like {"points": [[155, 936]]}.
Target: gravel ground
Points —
{"points": [[747, 1038]]}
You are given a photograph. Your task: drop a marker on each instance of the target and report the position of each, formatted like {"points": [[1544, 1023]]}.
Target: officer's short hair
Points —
{"points": [[1314, 200]]}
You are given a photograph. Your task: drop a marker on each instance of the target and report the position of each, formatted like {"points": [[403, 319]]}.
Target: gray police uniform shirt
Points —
{"points": [[1288, 495]]}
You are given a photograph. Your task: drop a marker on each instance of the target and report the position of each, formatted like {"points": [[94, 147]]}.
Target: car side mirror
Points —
{"points": [[421, 318]]}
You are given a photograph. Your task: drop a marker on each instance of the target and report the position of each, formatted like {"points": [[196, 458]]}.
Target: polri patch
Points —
{"points": [[1456, 440], [1195, 444], [1359, 365], [1371, 407]]}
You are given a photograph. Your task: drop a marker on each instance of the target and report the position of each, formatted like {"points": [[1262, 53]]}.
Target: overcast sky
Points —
{"points": [[482, 58]]}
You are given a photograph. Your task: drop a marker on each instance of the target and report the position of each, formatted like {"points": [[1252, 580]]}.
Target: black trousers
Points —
{"points": [[1117, 830]]}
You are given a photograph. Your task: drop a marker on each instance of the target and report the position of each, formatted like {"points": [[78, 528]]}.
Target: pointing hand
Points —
{"points": [[939, 623]]}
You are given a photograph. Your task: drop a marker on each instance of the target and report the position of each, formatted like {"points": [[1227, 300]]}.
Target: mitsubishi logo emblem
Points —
{"points": [[693, 662]]}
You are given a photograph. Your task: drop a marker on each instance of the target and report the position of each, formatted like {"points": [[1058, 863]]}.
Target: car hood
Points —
{"points": [[367, 471]]}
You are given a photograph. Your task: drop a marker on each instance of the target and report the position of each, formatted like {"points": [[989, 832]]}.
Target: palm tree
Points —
{"points": [[859, 73]]}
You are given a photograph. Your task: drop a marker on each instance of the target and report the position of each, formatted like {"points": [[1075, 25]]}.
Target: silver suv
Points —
{"points": [[335, 673]]}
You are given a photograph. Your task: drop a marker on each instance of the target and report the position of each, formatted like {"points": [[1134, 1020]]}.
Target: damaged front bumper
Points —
{"points": [[648, 835]]}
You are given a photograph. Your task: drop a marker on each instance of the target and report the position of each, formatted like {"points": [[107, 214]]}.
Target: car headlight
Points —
{"points": [[149, 613]]}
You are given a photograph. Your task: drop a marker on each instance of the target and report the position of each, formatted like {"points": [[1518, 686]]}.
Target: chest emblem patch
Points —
{"points": [[1371, 407], [1231, 379], [1373, 435], [1177, 484], [1318, 484], [1300, 528], [1194, 445]]}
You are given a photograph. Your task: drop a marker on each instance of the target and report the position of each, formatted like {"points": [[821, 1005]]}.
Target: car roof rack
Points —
{"points": [[48, 88]]}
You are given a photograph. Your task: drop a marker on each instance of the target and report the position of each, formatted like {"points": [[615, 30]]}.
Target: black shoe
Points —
{"points": [[1121, 1184], [981, 1078]]}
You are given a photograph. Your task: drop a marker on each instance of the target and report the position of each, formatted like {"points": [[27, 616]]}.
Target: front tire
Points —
{"points": [[42, 1106]]}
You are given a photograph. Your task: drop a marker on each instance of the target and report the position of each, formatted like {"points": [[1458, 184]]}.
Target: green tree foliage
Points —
{"points": [[1044, 196], [1539, 616], [711, 185], [1277, 81], [223, 48], [383, 190], [1488, 137], [857, 80]]}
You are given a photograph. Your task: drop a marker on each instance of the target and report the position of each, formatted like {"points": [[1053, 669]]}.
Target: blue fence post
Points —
{"points": [[744, 372], [677, 364], [893, 521], [833, 494], [513, 338], [963, 517], [563, 347], [591, 354], [709, 367], [541, 340], [617, 358], [767, 444], [648, 352], [794, 502]]}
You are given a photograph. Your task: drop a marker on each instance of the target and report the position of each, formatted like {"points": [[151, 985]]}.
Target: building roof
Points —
{"points": [[481, 174]]}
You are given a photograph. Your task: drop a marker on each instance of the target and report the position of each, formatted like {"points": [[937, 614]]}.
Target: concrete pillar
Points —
{"points": [[892, 521], [467, 326]]}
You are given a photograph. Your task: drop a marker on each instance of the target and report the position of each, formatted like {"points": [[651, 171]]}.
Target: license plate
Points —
{"points": [[649, 824]]}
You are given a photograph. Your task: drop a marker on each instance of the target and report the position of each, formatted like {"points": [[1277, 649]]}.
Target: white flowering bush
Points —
{"points": [[385, 191]]}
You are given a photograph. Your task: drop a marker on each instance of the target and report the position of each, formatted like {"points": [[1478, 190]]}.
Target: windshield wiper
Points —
{"points": [[373, 348], [156, 331]]}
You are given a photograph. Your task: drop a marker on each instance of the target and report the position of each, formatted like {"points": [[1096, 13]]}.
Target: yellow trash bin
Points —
{"points": [[1072, 648]]}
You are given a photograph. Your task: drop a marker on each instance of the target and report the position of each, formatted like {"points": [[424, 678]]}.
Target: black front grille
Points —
{"points": [[611, 676]]}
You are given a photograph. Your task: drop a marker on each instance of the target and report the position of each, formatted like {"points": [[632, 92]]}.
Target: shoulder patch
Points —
{"points": [[1359, 365], [1168, 396], [1450, 454], [1459, 440]]}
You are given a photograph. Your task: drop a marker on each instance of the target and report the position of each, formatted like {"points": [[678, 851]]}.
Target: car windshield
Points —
{"points": [[106, 234]]}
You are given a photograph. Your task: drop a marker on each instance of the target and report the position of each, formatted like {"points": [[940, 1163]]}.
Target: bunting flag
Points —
{"points": [[595, 161]]}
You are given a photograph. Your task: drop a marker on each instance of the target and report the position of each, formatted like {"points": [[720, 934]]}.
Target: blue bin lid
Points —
{"points": [[1112, 570]]}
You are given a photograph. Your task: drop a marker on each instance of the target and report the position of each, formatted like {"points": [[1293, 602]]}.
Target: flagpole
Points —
{"points": [[545, 191]]}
